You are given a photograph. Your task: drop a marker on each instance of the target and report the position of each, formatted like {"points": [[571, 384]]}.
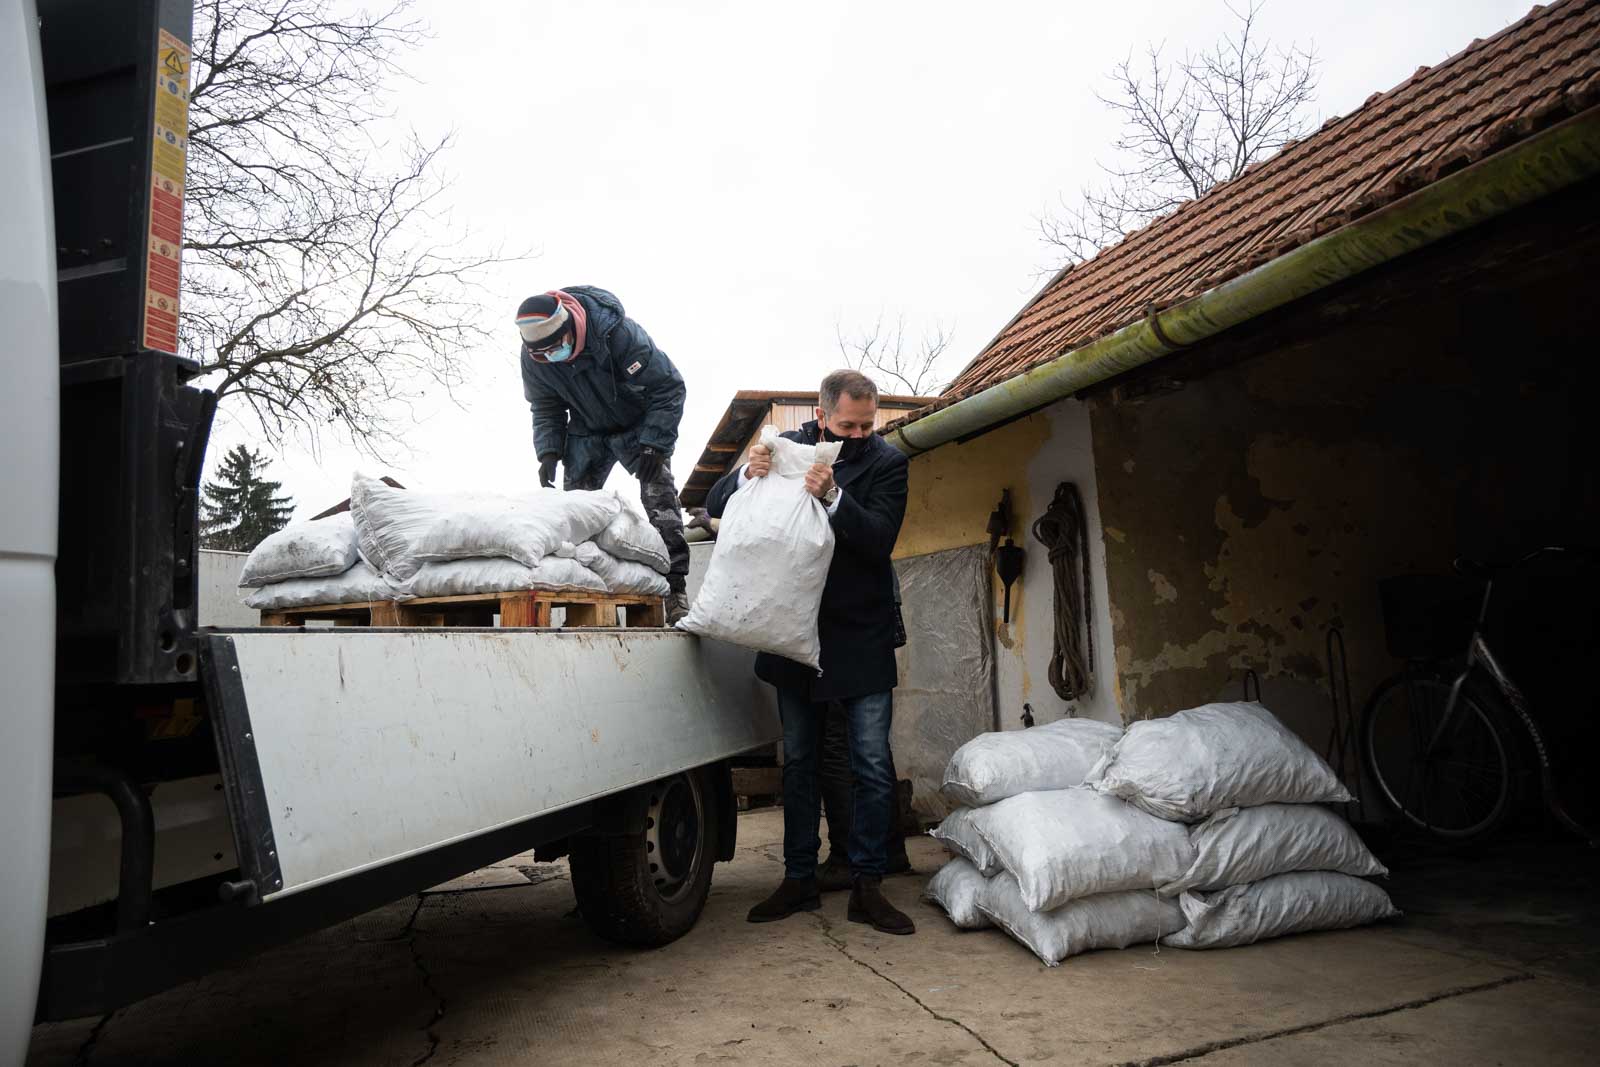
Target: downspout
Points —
{"points": [[1550, 161]]}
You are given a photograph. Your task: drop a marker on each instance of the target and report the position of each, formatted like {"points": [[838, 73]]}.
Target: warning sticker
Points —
{"points": [[167, 161]]}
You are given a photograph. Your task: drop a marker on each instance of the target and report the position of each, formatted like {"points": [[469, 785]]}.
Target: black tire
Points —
{"points": [[1467, 787], [647, 888]]}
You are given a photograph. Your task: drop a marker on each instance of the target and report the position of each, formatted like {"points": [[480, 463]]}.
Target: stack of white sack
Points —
{"points": [[1268, 861], [1059, 867], [309, 563], [763, 586], [402, 545]]}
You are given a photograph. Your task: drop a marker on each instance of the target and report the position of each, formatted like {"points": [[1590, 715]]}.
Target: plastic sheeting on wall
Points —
{"points": [[946, 692]]}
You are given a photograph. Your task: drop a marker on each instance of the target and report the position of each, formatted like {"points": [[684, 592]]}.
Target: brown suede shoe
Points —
{"points": [[869, 905], [793, 894], [834, 874]]}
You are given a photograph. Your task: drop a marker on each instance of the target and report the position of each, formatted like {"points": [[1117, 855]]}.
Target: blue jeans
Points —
{"points": [[872, 798]]}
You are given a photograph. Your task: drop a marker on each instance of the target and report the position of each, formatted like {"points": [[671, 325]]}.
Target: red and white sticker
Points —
{"points": [[167, 161]]}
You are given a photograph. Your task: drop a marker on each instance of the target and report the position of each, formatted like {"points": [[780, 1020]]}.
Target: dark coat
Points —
{"points": [[857, 620], [617, 395]]}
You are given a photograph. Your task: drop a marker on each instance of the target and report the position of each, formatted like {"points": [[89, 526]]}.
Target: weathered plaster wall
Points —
{"points": [[1260, 504], [952, 491]]}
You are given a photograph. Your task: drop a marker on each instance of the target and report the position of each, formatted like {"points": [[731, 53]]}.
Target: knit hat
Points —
{"points": [[540, 319]]}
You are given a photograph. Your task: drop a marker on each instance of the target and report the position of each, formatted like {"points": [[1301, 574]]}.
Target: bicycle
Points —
{"points": [[1444, 751]]}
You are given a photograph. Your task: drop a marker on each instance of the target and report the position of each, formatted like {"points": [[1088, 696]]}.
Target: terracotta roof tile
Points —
{"points": [[1444, 117]]}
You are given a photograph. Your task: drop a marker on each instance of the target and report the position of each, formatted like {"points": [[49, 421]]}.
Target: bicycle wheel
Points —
{"points": [[1460, 786]]}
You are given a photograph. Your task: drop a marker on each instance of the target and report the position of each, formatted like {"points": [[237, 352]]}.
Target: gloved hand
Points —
{"points": [[648, 465], [547, 470]]}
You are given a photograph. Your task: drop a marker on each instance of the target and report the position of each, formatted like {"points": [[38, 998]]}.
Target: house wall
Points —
{"points": [[1260, 504], [952, 491]]}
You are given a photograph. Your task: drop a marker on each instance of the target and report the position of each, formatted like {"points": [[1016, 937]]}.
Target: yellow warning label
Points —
{"points": [[167, 160]]}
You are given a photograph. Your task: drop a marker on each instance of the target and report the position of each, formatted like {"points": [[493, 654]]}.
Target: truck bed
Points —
{"points": [[350, 748]]}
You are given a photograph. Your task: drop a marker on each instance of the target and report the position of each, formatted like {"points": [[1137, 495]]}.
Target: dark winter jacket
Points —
{"points": [[620, 393], [857, 620]]}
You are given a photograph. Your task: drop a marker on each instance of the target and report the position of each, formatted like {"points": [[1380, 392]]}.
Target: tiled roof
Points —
{"points": [[1492, 94]]}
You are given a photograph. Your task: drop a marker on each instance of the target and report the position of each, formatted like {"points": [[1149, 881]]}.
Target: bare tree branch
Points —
{"points": [[882, 355], [1186, 127], [324, 290]]}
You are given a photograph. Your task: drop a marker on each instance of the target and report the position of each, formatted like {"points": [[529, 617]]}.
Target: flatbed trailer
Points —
{"points": [[177, 797]]}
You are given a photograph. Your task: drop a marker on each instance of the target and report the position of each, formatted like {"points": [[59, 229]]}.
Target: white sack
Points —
{"points": [[1283, 904], [1212, 757], [303, 550], [400, 530], [464, 577], [619, 575], [956, 887], [1071, 843], [1058, 755], [631, 536], [959, 835], [1239, 845], [526, 527], [763, 587], [1108, 920], [357, 585]]}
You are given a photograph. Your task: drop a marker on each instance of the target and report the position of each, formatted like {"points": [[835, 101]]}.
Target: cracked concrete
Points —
{"points": [[1497, 961], [827, 931]]}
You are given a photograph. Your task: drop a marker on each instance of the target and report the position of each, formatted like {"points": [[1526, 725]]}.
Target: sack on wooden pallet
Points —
{"points": [[1282, 904], [631, 537], [763, 587], [400, 530], [314, 549], [619, 575], [464, 577], [1071, 843], [1058, 755], [1217, 756], [1239, 845], [956, 887], [357, 585], [959, 835], [1107, 920]]}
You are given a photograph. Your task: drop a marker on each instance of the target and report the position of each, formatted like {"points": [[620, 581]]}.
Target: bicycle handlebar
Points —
{"points": [[1487, 568]]}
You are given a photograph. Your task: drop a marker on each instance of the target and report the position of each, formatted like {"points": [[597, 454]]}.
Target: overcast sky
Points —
{"points": [[745, 176]]}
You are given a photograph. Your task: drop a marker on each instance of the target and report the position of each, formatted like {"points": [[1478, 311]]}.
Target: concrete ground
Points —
{"points": [[1497, 961]]}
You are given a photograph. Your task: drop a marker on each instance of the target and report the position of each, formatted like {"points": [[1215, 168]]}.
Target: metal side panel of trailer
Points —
{"points": [[348, 749], [359, 765]]}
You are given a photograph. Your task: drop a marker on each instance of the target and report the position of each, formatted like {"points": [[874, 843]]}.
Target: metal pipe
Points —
{"points": [[1549, 161], [136, 876]]}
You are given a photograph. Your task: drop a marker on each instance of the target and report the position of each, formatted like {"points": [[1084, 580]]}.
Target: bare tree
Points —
{"points": [[883, 355], [1187, 126], [323, 287]]}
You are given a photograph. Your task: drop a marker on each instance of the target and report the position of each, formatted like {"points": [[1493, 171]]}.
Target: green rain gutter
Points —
{"points": [[1537, 167]]}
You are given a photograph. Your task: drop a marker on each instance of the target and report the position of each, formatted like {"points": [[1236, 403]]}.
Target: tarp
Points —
{"points": [[946, 691]]}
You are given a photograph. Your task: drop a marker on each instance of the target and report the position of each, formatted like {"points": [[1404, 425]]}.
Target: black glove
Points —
{"points": [[649, 464], [547, 470]]}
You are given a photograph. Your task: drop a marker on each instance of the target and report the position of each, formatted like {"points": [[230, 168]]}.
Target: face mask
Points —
{"points": [[558, 355], [851, 446]]}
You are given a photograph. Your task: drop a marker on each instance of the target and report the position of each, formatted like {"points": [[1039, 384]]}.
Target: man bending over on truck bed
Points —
{"points": [[865, 496], [602, 393]]}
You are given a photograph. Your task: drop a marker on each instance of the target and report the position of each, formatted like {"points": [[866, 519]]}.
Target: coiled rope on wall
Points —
{"points": [[1064, 532]]}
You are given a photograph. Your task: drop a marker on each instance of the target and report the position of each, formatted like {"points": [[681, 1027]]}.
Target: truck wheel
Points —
{"points": [[647, 888]]}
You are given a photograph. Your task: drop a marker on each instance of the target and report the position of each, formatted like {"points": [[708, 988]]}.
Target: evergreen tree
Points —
{"points": [[241, 507]]}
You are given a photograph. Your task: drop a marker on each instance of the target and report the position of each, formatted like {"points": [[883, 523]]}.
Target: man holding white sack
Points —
{"points": [[602, 393], [864, 493]]}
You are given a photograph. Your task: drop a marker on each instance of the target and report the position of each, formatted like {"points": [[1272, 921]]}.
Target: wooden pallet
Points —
{"points": [[521, 608]]}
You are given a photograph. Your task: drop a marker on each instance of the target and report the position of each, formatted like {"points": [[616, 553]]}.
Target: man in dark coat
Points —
{"points": [[864, 493], [602, 393]]}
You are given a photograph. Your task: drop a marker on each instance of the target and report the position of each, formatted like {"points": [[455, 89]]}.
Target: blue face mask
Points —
{"points": [[560, 354]]}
